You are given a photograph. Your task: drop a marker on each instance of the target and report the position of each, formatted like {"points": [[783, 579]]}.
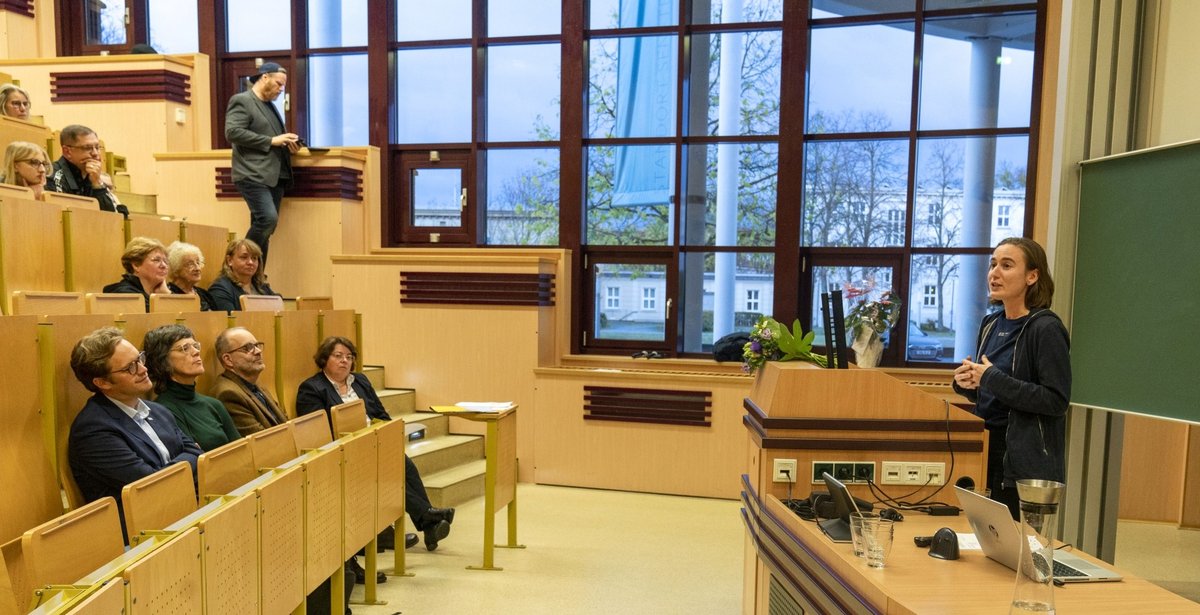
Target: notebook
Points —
{"points": [[1000, 538]]}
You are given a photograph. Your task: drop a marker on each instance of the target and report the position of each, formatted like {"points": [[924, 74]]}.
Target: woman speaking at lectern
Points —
{"points": [[1021, 382]]}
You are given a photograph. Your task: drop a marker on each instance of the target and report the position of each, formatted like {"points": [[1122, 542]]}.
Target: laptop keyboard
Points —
{"points": [[1062, 570]]}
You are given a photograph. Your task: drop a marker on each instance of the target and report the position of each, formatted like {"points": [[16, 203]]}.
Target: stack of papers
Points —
{"points": [[475, 406]]}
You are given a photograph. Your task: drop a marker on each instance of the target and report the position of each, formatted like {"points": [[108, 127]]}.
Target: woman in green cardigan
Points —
{"points": [[174, 362]]}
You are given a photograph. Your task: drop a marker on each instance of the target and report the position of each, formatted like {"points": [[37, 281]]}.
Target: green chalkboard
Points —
{"points": [[1135, 329]]}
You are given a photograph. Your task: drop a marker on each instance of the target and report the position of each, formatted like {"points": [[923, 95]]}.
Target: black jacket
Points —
{"points": [[130, 284], [206, 300], [318, 393], [1035, 390], [67, 178]]}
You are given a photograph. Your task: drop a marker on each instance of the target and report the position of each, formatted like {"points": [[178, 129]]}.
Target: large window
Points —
{"points": [[706, 161]]}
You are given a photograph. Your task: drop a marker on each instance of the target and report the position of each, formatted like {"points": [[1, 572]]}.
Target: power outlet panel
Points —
{"points": [[845, 471], [913, 473], [784, 471]]}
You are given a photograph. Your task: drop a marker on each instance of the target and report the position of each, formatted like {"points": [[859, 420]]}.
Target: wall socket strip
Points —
{"points": [[916, 473]]}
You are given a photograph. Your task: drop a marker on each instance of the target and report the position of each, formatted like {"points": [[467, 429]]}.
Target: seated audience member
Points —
{"points": [[25, 164], [252, 408], [14, 101], [145, 263], [80, 171], [186, 264], [119, 437], [337, 383], [240, 275], [174, 362]]}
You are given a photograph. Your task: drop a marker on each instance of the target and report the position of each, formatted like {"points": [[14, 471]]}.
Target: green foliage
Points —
{"points": [[770, 340]]}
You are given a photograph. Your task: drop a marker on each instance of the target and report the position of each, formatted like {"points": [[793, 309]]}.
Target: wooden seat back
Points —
{"points": [[158, 500], [348, 417], [114, 303], [38, 302], [161, 302], [311, 431], [65, 549], [225, 468], [273, 447], [261, 303]]}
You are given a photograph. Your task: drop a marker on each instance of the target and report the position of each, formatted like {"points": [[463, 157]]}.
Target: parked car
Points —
{"points": [[921, 346]]}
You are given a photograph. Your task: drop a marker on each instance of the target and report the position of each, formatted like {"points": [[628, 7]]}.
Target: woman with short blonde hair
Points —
{"points": [[145, 263], [25, 164]]}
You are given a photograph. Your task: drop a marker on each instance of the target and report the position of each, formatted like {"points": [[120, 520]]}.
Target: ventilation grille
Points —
{"points": [[444, 287], [307, 183], [109, 86], [647, 406], [780, 602]]}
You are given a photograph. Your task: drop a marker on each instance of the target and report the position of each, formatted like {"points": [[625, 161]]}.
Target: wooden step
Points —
{"points": [[433, 423], [433, 455], [454, 486], [398, 402], [374, 373]]}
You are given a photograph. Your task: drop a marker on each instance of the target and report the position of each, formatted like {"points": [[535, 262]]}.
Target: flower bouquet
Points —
{"points": [[770, 340], [867, 322]]}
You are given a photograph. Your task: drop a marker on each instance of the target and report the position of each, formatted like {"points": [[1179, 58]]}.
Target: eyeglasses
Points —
{"points": [[37, 164], [20, 103], [187, 347], [249, 348], [339, 356], [94, 147], [132, 368], [157, 260], [192, 265]]}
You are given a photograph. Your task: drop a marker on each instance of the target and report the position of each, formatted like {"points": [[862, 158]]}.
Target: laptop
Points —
{"points": [[1000, 538]]}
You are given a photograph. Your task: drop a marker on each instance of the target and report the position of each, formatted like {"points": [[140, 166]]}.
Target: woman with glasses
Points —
{"points": [[175, 363], [25, 164], [337, 383], [185, 266], [14, 101], [145, 262], [242, 274]]}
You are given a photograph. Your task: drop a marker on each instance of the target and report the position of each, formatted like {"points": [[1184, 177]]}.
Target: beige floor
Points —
{"points": [[591, 551], [587, 551]]}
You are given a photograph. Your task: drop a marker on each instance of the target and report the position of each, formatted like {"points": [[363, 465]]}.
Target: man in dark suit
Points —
{"points": [[118, 437], [251, 407], [262, 150], [335, 384]]}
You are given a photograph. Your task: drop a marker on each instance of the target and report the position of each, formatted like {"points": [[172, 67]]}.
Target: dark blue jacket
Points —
{"points": [[318, 393], [108, 450], [226, 294], [1035, 390]]}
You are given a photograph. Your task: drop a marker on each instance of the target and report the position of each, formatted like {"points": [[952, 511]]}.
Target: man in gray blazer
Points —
{"points": [[262, 149]]}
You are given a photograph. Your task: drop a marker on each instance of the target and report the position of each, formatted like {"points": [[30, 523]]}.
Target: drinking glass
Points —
{"points": [[877, 540]]}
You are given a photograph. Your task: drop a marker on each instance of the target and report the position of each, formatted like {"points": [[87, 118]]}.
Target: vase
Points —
{"points": [[868, 348]]}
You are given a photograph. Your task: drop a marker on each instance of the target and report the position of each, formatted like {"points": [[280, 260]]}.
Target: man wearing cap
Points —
{"points": [[262, 149]]}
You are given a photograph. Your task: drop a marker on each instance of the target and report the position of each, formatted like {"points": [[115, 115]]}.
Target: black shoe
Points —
{"points": [[360, 573], [434, 533], [433, 515], [386, 540], [411, 540]]}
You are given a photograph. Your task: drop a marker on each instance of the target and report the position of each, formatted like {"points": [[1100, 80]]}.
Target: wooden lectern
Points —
{"points": [[798, 411]]}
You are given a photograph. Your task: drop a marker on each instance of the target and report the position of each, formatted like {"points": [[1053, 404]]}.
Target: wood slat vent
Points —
{"points": [[20, 7], [474, 288], [307, 183], [647, 406], [109, 86]]}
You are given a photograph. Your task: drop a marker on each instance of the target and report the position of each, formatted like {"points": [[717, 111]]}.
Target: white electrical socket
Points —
{"points": [[891, 473], [914, 474], [935, 473], [784, 471]]}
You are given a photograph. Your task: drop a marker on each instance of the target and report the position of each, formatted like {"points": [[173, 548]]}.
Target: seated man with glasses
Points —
{"points": [[80, 171], [252, 408], [119, 437]]}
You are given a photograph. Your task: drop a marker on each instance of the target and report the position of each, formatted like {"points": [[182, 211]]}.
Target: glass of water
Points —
{"points": [[877, 540], [856, 530]]}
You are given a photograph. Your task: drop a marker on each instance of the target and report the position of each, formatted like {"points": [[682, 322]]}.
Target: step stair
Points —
{"points": [[452, 466]]}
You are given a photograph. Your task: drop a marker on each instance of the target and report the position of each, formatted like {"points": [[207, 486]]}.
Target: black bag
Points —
{"points": [[730, 347]]}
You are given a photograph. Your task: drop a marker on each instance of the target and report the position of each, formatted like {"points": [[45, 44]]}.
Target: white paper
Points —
{"points": [[485, 406], [968, 541]]}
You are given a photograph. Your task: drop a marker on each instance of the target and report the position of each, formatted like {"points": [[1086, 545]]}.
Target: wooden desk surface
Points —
{"points": [[915, 583]]}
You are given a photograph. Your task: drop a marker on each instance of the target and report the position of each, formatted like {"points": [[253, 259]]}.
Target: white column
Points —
{"points": [[724, 301], [979, 182]]}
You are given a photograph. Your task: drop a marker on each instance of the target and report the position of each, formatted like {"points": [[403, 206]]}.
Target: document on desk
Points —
{"points": [[968, 541], [487, 407]]}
